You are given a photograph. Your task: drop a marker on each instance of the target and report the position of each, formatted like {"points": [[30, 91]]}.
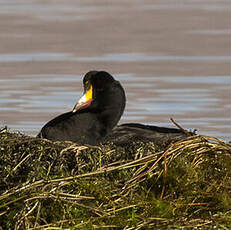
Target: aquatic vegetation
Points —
{"points": [[44, 184]]}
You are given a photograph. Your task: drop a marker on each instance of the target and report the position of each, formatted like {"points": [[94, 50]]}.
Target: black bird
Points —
{"points": [[94, 118], [95, 114]]}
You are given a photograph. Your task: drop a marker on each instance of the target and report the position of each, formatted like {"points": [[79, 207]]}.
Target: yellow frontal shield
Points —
{"points": [[85, 100]]}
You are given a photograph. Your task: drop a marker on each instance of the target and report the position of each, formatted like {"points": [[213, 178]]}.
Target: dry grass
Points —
{"points": [[46, 185]]}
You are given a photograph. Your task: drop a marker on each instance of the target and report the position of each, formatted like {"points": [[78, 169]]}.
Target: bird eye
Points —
{"points": [[86, 85]]}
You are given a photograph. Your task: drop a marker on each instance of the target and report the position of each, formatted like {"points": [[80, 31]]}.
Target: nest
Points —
{"points": [[60, 185]]}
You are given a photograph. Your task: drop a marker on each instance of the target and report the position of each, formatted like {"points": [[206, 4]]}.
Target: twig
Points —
{"points": [[187, 133]]}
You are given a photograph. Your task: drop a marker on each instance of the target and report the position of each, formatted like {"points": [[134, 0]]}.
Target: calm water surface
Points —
{"points": [[173, 59]]}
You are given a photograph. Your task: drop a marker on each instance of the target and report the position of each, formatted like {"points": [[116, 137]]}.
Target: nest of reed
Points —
{"points": [[60, 185]]}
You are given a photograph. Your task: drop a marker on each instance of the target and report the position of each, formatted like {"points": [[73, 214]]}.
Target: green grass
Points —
{"points": [[59, 185]]}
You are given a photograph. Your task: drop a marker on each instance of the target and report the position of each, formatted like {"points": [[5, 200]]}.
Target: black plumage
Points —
{"points": [[90, 121], [94, 118], [133, 132]]}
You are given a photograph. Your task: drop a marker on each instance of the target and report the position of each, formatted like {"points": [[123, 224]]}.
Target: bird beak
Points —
{"points": [[85, 100]]}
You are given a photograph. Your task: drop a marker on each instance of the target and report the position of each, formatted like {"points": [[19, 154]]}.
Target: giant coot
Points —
{"points": [[94, 118]]}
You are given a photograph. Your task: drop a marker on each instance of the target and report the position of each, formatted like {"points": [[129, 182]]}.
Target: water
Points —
{"points": [[173, 59]]}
